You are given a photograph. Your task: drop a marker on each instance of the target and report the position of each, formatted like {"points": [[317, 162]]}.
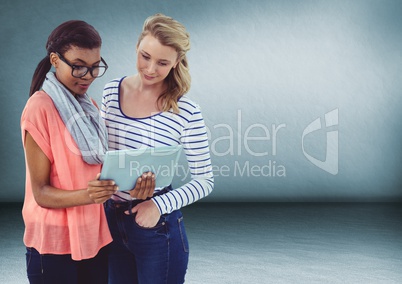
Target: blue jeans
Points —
{"points": [[157, 255], [62, 269]]}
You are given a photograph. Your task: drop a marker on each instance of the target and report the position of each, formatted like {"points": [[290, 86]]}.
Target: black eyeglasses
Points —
{"points": [[79, 71]]}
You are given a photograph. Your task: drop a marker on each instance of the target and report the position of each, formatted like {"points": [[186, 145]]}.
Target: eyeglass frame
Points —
{"points": [[89, 69]]}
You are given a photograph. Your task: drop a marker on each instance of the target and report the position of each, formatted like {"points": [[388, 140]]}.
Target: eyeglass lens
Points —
{"points": [[80, 71]]}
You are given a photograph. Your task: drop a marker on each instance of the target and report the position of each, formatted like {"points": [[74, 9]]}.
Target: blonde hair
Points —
{"points": [[170, 32]]}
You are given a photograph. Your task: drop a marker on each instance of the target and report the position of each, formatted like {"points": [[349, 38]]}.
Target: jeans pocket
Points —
{"points": [[161, 223], [183, 234]]}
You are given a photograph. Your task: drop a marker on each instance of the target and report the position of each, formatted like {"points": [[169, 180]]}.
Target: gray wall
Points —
{"points": [[302, 99]]}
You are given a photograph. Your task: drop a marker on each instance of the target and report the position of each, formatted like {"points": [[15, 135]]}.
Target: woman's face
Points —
{"points": [[154, 60], [79, 57]]}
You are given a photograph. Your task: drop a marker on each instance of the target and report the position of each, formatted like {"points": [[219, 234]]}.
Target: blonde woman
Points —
{"points": [[150, 109]]}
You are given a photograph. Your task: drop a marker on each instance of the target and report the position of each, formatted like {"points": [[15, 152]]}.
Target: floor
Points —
{"points": [[267, 243]]}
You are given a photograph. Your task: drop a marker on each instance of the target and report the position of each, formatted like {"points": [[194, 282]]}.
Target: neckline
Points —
{"points": [[128, 116]]}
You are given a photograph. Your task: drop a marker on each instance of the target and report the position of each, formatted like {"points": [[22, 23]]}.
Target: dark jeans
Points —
{"points": [[157, 255], [60, 269]]}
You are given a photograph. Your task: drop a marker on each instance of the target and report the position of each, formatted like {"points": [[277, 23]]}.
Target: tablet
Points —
{"points": [[125, 166]]}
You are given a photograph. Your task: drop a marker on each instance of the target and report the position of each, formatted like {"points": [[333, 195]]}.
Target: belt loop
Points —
{"points": [[130, 206]]}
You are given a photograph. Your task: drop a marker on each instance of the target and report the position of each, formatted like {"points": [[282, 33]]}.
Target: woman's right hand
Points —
{"points": [[100, 191]]}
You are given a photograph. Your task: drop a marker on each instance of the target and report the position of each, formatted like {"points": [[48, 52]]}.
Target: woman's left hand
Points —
{"points": [[147, 214], [144, 187]]}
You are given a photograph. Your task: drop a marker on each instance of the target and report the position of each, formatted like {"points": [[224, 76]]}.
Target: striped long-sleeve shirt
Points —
{"points": [[163, 129]]}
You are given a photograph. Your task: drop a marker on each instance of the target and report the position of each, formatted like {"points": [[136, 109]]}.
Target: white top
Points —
{"points": [[163, 129]]}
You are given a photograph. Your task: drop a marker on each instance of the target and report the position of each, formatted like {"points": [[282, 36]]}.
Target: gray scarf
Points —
{"points": [[81, 118]]}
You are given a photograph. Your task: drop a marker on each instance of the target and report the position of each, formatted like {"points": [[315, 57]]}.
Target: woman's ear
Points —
{"points": [[54, 59]]}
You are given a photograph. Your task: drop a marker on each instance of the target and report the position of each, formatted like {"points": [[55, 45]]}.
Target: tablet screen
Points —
{"points": [[125, 166]]}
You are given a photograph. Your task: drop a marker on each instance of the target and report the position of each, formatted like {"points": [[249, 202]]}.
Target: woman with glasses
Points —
{"points": [[64, 138], [150, 109]]}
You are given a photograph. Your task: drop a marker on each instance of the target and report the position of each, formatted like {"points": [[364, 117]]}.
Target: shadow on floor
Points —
{"points": [[267, 243]]}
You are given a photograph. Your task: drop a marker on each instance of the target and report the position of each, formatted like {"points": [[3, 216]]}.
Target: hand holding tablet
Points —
{"points": [[125, 166]]}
